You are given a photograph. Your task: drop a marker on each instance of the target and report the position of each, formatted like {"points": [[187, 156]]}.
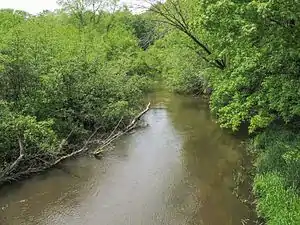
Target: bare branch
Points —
{"points": [[15, 164], [128, 128], [173, 15]]}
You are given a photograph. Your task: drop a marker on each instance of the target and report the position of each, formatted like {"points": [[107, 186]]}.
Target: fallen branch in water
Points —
{"points": [[116, 127], [40, 162], [6, 176], [83, 149], [128, 128], [15, 164], [64, 141], [133, 122]]}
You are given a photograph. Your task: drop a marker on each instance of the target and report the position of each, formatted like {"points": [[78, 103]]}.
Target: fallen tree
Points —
{"points": [[117, 135], [41, 162], [15, 164], [8, 175]]}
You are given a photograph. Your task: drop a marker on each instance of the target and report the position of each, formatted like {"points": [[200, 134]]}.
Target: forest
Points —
{"points": [[69, 73]]}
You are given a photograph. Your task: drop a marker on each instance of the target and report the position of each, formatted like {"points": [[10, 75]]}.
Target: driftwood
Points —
{"points": [[128, 128]]}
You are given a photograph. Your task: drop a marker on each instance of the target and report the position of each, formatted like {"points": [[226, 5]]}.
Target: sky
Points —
{"points": [[36, 6], [31, 6]]}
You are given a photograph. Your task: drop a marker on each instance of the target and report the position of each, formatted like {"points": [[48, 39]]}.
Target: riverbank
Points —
{"points": [[20, 168], [58, 88], [273, 171], [251, 63], [177, 170], [268, 180], [277, 176]]}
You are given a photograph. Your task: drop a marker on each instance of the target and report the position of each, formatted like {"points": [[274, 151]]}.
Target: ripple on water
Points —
{"points": [[177, 170]]}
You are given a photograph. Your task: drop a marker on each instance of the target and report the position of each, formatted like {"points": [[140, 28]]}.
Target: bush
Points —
{"points": [[37, 136], [277, 183], [58, 76], [278, 204]]}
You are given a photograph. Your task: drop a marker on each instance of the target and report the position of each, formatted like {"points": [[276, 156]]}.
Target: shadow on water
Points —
{"points": [[178, 170]]}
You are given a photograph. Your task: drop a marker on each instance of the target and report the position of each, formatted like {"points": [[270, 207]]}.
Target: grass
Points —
{"points": [[277, 180]]}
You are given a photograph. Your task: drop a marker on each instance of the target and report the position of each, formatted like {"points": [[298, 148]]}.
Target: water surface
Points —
{"points": [[176, 171]]}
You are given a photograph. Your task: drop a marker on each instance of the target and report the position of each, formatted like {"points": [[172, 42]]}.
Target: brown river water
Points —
{"points": [[176, 171]]}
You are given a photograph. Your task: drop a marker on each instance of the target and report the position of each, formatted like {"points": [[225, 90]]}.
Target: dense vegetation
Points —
{"points": [[246, 54], [63, 75]]}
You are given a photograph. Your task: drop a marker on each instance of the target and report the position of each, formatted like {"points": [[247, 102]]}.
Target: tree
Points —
{"points": [[88, 11], [172, 13], [59, 83]]}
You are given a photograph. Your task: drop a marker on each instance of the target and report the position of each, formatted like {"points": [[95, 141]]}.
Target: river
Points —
{"points": [[176, 171]]}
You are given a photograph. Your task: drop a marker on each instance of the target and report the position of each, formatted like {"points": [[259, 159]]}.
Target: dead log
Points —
{"points": [[116, 127], [6, 176], [128, 128], [15, 164], [81, 150], [133, 122], [64, 141]]}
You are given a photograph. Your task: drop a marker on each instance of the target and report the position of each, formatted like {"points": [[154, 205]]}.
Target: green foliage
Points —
{"points": [[57, 77], [37, 135], [279, 205], [144, 29], [277, 182], [258, 44], [263, 70], [179, 68], [280, 154]]}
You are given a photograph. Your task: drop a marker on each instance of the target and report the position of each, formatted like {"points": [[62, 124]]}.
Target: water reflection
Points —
{"points": [[178, 170]]}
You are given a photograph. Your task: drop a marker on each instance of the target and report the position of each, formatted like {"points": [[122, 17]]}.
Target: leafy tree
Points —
{"points": [[58, 80], [258, 42], [173, 13]]}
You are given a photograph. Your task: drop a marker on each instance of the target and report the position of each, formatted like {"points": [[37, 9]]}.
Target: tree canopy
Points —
{"points": [[65, 74], [245, 54]]}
